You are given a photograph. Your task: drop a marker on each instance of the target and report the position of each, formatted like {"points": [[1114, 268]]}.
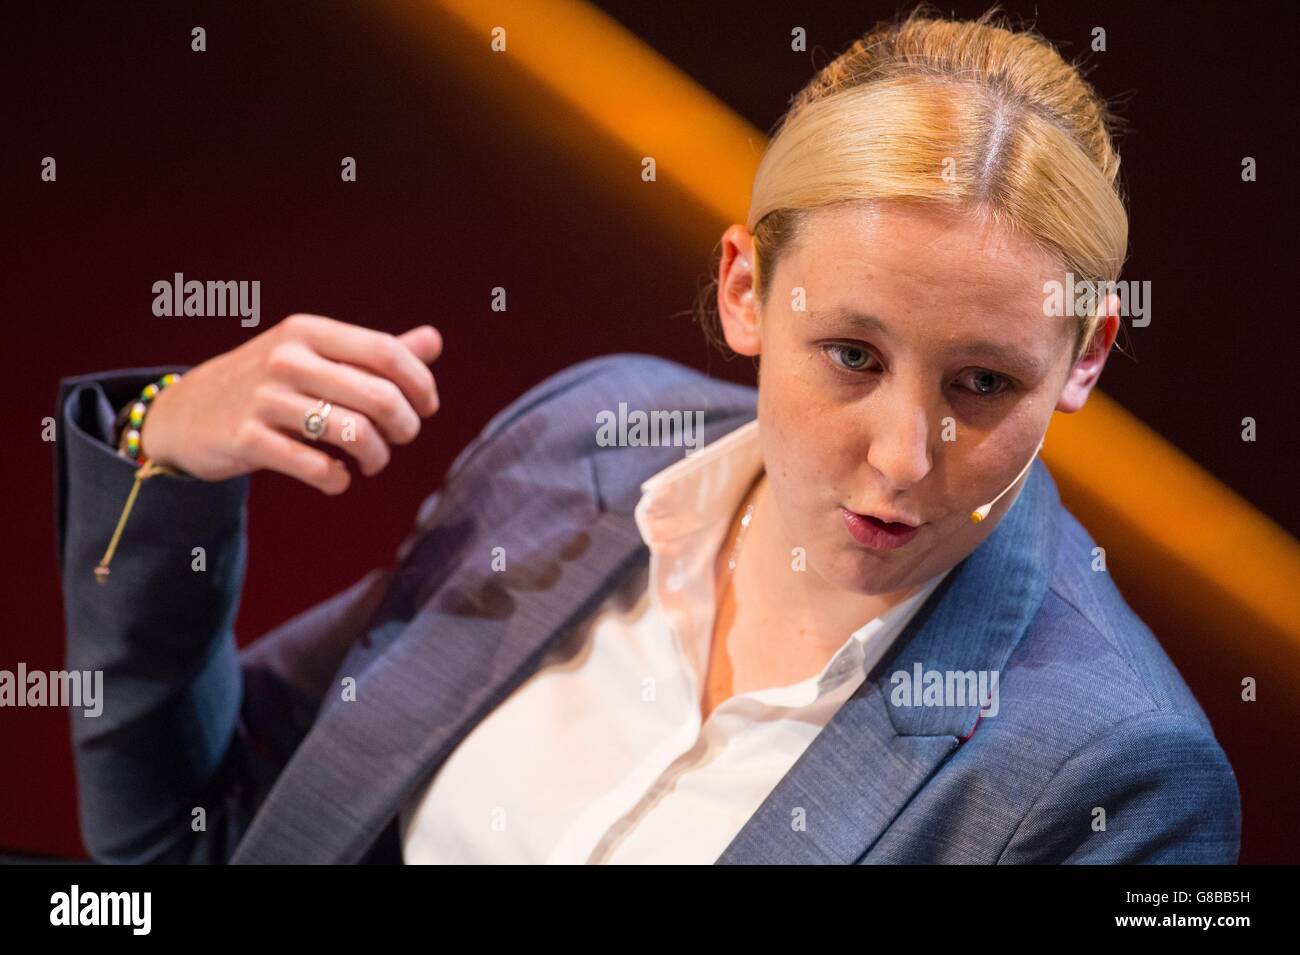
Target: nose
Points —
{"points": [[900, 438]]}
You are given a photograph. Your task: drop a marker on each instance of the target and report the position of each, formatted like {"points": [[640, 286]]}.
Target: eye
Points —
{"points": [[988, 384], [983, 383], [850, 357]]}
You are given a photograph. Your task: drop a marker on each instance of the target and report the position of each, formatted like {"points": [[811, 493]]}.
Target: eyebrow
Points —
{"points": [[1001, 352]]}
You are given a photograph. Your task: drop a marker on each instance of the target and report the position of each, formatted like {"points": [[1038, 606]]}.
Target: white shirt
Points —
{"points": [[600, 756]]}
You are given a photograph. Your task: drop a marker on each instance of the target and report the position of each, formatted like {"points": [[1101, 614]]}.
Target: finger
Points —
{"points": [[375, 397], [424, 341], [261, 446], [350, 430], [377, 352]]}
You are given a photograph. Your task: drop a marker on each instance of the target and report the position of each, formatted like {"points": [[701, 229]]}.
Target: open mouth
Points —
{"points": [[870, 531]]}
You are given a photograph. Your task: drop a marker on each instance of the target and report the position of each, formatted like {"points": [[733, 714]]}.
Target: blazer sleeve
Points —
{"points": [[191, 734], [189, 723], [1167, 790]]}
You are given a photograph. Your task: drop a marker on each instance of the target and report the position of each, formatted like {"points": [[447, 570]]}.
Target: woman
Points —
{"points": [[855, 626]]}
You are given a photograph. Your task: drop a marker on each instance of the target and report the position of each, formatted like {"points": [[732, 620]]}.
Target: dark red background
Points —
{"points": [[226, 165]]}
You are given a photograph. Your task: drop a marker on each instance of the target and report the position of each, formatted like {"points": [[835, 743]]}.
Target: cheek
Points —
{"points": [[811, 434], [793, 392], [775, 400], [981, 470], [809, 460]]}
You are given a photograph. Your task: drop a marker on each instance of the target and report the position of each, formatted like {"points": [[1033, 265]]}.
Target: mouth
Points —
{"points": [[876, 533]]}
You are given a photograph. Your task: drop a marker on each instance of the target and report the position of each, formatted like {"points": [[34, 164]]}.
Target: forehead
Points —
{"points": [[931, 254], [905, 258]]}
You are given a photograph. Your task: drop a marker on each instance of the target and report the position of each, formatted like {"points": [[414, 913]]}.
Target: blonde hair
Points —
{"points": [[973, 114]]}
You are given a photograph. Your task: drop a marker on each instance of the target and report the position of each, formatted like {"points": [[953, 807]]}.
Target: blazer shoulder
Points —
{"points": [[602, 374], [1092, 656], [1083, 584], [633, 377], [1109, 721], [571, 395]]}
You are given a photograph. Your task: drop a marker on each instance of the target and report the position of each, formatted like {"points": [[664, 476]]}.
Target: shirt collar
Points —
{"points": [[704, 487], [701, 492]]}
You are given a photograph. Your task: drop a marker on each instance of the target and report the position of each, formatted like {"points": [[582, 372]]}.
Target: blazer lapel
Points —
{"points": [[856, 776]]}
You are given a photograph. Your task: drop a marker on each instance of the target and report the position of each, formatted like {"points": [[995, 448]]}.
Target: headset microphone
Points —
{"points": [[980, 513]]}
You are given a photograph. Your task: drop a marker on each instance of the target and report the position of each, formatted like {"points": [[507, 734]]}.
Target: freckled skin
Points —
{"points": [[871, 441]]}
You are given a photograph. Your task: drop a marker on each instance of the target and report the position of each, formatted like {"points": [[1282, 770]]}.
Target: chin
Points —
{"points": [[859, 571]]}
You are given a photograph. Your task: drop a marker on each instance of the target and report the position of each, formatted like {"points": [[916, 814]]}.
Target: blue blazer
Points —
{"points": [[1098, 753]]}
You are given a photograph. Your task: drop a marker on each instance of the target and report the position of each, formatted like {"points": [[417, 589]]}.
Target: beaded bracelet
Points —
{"points": [[128, 444]]}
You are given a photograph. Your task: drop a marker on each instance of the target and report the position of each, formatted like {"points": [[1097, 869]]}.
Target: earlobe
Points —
{"points": [[1074, 395], [740, 325]]}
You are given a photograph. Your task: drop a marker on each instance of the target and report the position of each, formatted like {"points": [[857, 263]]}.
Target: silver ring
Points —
{"points": [[314, 421]]}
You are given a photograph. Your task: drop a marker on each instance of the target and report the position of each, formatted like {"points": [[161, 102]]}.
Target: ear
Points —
{"points": [[737, 304], [1083, 376]]}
